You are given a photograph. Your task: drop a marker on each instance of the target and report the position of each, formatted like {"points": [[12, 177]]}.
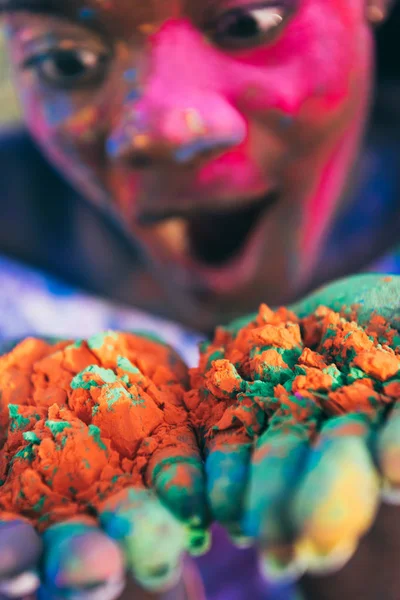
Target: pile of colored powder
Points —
{"points": [[83, 420], [302, 369]]}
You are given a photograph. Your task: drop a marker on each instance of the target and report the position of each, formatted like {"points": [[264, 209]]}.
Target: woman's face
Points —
{"points": [[220, 131]]}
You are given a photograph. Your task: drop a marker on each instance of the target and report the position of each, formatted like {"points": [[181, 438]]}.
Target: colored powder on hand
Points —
{"points": [[303, 370], [82, 421]]}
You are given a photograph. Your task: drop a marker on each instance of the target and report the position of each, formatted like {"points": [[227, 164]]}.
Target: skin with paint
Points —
{"points": [[209, 171], [337, 493], [372, 571], [107, 413], [93, 429], [257, 141], [317, 391]]}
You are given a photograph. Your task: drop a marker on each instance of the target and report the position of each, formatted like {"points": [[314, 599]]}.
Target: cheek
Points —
{"points": [[310, 69], [124, 189], [59, 122], [68, 131]]}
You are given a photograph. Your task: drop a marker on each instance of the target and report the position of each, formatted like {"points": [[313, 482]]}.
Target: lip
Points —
{"points": [[227, 276]]}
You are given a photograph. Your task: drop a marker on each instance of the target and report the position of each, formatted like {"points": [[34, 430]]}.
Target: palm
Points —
{"points": [[373, 571], [310, 490], [131, 535]]}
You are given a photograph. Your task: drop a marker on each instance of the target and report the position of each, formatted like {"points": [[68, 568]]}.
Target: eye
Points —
{"points": [[248, 26], [68, 69]]}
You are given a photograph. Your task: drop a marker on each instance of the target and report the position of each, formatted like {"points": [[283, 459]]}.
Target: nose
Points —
{"points": [[182, 116], [181, 143]]}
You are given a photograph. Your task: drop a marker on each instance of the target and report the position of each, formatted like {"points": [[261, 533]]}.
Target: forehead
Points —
{"points": [[125, 17], [131, 12]]}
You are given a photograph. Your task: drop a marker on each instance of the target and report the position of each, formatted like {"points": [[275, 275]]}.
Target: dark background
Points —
{"points": [[388, 38]]}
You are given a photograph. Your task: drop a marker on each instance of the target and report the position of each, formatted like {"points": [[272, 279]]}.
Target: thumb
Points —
{"points": [[364, 293]]}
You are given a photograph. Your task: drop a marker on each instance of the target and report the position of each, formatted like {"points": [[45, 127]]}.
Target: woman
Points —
{"points": [[218, 144]]}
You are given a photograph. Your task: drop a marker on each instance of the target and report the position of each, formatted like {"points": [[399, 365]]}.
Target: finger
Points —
{"points": [[177, 476], [108, 591], [337, 501], [231, 425], [227, 469], [152, 539], [372, 572], [20, 551], [366, 294], [388, 450], [214, 411], [277, 465], [80, 558], [278, 461], [7, 345], [231, 399]]}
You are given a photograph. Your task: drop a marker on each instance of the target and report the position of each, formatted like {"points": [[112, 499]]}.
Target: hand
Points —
{"points": [[78, 559], [311, 489], [372, 573], [131, 534], [310, 506]]}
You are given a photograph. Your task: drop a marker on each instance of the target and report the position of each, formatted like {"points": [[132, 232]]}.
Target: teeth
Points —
{"points": [[174, 234]]}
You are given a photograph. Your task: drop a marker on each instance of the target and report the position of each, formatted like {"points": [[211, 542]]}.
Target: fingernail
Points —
{"points": [[161, 578], [198, 541], [238, 538], [241, 542], [22, 585], [320, 562], [281, 566]]}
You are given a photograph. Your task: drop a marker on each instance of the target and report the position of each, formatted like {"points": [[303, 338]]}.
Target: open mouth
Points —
{"points": [[218, 237]]}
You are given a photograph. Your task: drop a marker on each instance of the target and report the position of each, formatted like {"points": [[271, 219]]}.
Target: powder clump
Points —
{"points": [[84, 420], [303, 369]]}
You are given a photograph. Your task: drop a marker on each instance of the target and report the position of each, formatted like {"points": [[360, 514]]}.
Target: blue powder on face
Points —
{"points": [[130, 75], [112, 146], [58, 112], [132, 95]]}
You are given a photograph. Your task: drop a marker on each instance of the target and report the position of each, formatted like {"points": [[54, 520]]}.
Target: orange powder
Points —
{"points": [[276, 363], [83, 420]]}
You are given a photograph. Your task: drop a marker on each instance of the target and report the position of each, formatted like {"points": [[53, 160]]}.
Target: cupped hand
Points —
{"points": [[324, 494], [135, 540], [305, 487]]}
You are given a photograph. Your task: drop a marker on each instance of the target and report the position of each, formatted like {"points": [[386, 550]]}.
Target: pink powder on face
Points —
{"points": [[285, 116]]}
